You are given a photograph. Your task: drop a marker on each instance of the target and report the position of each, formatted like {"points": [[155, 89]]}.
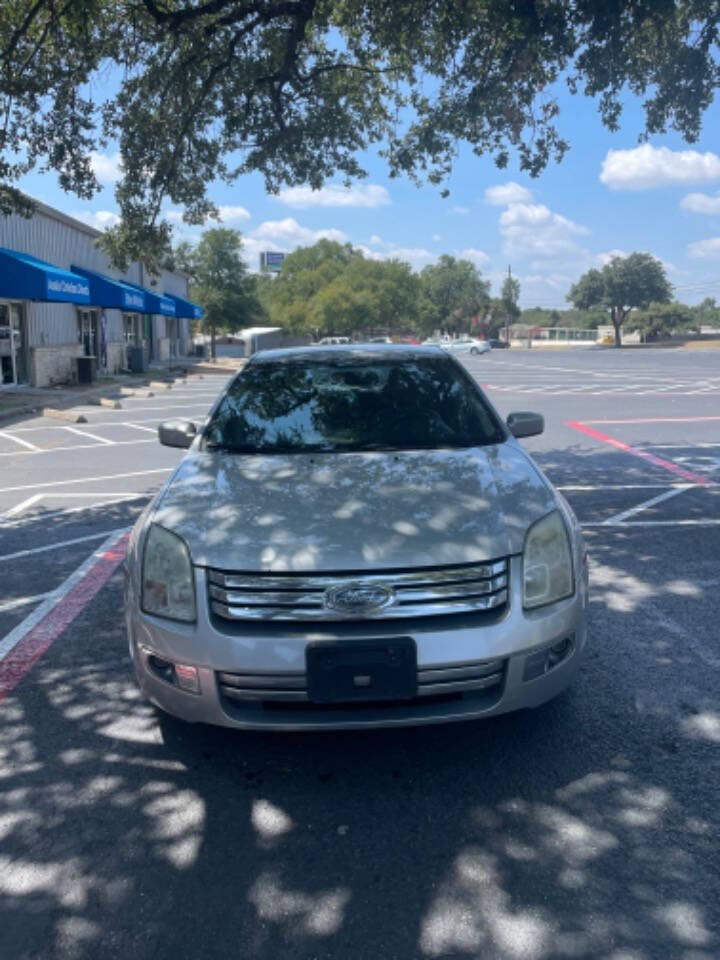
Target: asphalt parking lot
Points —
{"points": [[587, 828]]}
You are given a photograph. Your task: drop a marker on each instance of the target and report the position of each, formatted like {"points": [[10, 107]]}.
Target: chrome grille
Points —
{"points": [[434, 681], [415, 593]]}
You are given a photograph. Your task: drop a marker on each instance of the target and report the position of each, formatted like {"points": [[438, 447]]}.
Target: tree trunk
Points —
{"points": [[212, 343]]}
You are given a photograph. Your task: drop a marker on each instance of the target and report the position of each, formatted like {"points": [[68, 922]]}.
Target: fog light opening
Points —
{"points": [[180, 675], [557, 652], [161, 668]]}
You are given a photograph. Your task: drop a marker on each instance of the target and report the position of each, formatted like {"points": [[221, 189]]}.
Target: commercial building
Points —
{"points": [[61, 299]]}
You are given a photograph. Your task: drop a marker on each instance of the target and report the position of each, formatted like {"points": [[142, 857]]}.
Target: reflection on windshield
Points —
{"points": [[300, 405]]}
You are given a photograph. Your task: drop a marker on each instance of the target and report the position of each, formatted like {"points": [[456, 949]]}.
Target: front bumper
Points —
{"points": [[515, 636]]}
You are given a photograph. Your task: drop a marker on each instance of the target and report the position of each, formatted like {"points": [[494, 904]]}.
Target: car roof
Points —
{"points": [[369, 351]]}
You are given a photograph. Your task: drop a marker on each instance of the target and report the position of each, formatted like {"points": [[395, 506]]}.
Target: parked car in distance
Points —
{"points": [[333, 341], [466, 345], [354, 539], [380, 340], [499, 344]]}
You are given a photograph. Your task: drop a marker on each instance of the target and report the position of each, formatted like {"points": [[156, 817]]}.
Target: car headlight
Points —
{"points": [[547, 563], [168, 589]]}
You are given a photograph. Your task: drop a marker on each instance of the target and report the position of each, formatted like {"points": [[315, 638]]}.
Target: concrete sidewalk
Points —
{"points": [[19, 402]]}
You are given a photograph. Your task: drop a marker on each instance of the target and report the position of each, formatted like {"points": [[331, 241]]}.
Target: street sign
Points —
{"points": [[271, 262]]}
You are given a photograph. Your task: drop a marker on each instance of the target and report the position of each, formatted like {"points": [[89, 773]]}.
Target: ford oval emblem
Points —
{"points": [[359, 598]]}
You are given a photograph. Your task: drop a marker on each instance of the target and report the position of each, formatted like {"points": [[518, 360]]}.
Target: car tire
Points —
{"points": [[474, 351]]}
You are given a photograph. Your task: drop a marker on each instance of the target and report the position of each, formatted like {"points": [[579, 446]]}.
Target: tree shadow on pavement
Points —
{"points": [[586, 828]]}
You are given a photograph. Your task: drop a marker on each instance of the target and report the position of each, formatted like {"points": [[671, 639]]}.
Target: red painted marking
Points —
{"points": [[33, 645], [637, 452], [656, 420]]}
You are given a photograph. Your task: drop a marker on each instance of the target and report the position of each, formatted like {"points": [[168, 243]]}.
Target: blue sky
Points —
{"points": [[609, 194]]}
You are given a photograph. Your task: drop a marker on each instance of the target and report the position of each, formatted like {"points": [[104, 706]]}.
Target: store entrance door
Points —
{"points": [[13, 345], [88, 332]]}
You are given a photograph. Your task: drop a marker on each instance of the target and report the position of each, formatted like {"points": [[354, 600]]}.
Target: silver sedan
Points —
{"points": [[466, 345], [354, 539]]}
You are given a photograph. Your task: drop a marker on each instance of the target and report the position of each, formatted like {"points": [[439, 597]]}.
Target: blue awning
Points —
{"points": [[23, 277], [185, 308], [155, 302], [106, 292]]}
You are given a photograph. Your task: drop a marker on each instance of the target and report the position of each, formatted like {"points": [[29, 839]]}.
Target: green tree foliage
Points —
{"points": [[221, 283], [452, 295], [332, 288], [658, 321], [622, 285], [509, 296], [494, 318], [195, 90], [577, 319], [706, 313]]}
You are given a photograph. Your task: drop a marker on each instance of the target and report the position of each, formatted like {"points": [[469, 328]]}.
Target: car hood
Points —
{"points": [[354, 511]]}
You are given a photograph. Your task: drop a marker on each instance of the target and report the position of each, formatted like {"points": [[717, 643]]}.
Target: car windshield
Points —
{"points": [[354, 403]]}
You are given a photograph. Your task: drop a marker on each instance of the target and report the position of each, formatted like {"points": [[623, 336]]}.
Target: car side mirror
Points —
{"points": [[177, 433], [525, 424]]}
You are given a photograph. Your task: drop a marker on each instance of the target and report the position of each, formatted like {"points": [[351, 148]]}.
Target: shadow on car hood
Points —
{"points": [[354, 511]]}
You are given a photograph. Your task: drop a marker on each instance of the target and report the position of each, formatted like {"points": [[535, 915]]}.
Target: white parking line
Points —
{"points": [[651, 523], [63, 543], [67, 483], [622, 486], [120, 498], [18, 508], [24, 601], [80, 446], [91, 436], [22, 629], [139, 426], [100, 423], [23, 443], [126, 410], [619, 518]]}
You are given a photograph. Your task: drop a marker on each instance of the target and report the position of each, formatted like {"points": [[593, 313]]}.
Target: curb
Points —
{"points": [[63, 415], [92, 397]]}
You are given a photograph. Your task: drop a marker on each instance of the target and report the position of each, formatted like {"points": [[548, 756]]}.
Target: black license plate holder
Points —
{"points": [[351, 670]]}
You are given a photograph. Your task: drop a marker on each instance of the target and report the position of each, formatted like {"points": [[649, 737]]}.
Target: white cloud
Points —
{"points": [[100, 219], [461, 210], [505, 193], [478, 257], [285, 236], [436, 237], [417, 257], [604, 258], [701, 203], [708, 249], [531, 229], [336, 195], [647, 166], [369, 253], [288, 233], [106, 166], [230, 214]]}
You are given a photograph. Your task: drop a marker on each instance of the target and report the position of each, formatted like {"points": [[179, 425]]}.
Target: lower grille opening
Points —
{"points": [[437, 685]]}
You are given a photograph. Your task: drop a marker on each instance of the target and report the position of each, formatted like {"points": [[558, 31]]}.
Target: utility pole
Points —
{"points": [[507, 315]]}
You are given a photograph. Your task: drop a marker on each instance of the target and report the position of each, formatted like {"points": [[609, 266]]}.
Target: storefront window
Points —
{"points": [[13, 344], [131, 329]]}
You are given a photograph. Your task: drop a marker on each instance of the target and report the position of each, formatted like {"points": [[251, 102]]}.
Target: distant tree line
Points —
{"points": [[335, 289]]}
